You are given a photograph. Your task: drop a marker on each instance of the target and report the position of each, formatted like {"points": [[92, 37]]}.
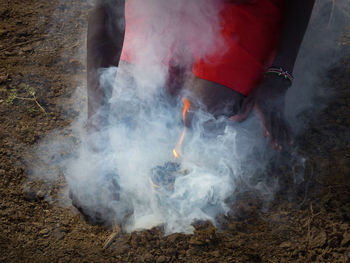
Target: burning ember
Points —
{"points": [[165, 176]]}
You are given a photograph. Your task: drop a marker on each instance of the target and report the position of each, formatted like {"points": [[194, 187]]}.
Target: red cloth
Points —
{"points": [[250, 33]]}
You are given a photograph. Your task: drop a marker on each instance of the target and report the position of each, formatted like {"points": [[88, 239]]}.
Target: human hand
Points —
{"points": [[268, 101]]}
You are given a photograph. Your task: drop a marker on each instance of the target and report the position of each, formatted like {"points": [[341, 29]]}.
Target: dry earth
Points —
{"points": [[40, 46]]}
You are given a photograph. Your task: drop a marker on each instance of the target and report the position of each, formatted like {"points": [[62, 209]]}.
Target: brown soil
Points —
{"points": [[40, 47]]}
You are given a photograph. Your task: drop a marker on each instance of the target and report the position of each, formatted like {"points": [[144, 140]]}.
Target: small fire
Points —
{"points": [[165, 176], [177, 150]]}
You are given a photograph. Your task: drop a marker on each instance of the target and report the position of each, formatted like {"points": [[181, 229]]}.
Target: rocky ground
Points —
{"points": [[40, 50]]}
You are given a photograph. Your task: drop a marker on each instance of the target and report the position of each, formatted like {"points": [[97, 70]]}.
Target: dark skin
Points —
{"points": [[105, 43], [104, 46], [268, 98]]}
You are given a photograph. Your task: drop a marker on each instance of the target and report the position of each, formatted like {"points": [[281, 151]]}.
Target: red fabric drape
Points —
{"points": [[250, 33]]}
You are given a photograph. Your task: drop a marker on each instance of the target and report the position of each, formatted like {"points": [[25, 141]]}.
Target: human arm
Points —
{"points": [[268, 99]]}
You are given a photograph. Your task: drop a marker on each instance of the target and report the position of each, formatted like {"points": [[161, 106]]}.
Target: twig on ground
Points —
{"points": [[22, 43], [308, 224], [113, 236], [13, 96], [37, 103]]}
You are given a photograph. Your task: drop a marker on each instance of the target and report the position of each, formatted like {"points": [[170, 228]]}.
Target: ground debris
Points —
{"points": [[113, 236]]}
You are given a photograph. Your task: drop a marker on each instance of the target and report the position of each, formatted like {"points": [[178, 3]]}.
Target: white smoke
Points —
{"points": [[143, 132], [163, 25], [144, 127], [321, 50]]}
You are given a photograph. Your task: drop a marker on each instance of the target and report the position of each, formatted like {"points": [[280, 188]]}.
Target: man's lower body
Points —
{"points": [[216, 80]]}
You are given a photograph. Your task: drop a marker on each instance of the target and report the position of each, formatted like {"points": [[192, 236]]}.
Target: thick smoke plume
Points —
{"points": [[144, 128]]}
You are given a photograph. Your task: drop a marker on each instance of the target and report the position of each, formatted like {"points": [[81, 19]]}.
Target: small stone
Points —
{"points": [[285, 244], [346, 239], [161, 259], [40, 195], [27, 49], [174, 238], [190, 252], [215, 253], [3, 78], [148, 257], [59, 234], [29, 195], [9, 54], [3, 31], [171, 252], [195, 241], [43, 232]]}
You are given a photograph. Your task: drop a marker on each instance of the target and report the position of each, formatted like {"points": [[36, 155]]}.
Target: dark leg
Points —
{"points": [[105, 38], [104, 45]]}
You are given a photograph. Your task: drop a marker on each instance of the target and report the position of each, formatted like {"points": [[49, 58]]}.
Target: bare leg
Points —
{"points": [[104, 45], [105, 38]]}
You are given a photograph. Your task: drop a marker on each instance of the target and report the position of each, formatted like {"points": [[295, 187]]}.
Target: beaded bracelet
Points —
{"points": [[280, 72]]}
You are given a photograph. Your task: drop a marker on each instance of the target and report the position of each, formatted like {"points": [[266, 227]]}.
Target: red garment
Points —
{"points": [[250, 33]]}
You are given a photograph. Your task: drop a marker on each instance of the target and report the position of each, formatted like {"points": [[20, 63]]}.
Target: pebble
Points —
{"points": [[44, 231], [27, 49], [3, 78], [171, 252], [285, 244], [40, 195], [3, 32], [215, 253], [174, 238], [148, 257], [8, 53], [29, 195], [346, 239], [59, 233], [194, 241], [161, 259]]}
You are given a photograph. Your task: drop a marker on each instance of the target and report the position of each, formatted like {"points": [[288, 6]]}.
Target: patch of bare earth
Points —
{"points": [[40, 45]]}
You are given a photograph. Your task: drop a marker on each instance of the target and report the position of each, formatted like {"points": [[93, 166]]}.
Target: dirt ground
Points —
{"points": [[41, 46]]}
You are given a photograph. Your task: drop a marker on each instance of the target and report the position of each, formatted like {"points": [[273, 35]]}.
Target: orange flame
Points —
{"points": [[177, 150]]}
